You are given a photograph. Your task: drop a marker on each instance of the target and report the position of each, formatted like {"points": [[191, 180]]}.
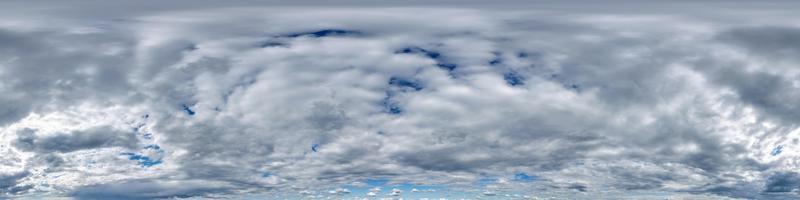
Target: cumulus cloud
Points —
{"points": [[206, 101]]}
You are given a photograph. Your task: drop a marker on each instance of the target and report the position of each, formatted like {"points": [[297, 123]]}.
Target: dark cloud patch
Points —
{"points": [[737, 191], [52, 161], [774, 42], [272, 44], [20, 189], [9, 182], [711, 154], [13, 109], [147, 189], [327, 117], [37, 73], [191, 47], [773, 94], [97, 137], [578, 187], [450, 159], [619, 82], [783, 182]]}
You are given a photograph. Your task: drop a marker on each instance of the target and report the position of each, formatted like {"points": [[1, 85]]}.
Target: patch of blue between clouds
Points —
{"points": [[266, 174], [407, 83], [416, 50], [497, 59], [376, 182], [513, 78], [777, 150], [486, 181], [436, 56], [447, 66], [326, 33], [523, 177], [391, 106], [144, 161], [398, 84], [314, 147], [187, 109], [153, 147]]}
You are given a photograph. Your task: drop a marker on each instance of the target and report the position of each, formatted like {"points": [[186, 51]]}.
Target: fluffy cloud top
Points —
{"points": [[230, 101]]}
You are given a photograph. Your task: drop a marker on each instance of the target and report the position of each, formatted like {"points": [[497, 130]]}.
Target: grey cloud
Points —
{"points": [[9, 183], [97, 137], [13, 110], [52, 161], [773, 42], [327, 117], [38, 71], [783, 182], [774, 94]]}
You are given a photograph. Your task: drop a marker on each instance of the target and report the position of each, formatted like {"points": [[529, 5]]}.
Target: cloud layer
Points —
{"points": [[300, 101]]}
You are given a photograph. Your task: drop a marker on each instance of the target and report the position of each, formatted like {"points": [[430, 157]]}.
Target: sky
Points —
{"points": [[399, 99]]}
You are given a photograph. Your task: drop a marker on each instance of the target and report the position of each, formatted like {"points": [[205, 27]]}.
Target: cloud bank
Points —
{"points": [[232, 101]]}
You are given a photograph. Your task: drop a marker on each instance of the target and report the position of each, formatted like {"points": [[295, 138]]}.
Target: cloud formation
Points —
{"points": [[231, 101]]}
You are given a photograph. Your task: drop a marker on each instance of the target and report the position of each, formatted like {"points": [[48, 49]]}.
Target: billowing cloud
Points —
{"points": [[206, 101]]}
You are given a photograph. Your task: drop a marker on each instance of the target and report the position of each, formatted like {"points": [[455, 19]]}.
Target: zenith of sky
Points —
{"points": [[110, 99]]}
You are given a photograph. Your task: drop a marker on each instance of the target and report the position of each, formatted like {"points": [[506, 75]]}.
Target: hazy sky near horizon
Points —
{"points": [[390, 99]]}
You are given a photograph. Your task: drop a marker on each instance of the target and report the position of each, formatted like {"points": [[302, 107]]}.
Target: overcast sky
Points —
{"points": [[399, 99]]}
